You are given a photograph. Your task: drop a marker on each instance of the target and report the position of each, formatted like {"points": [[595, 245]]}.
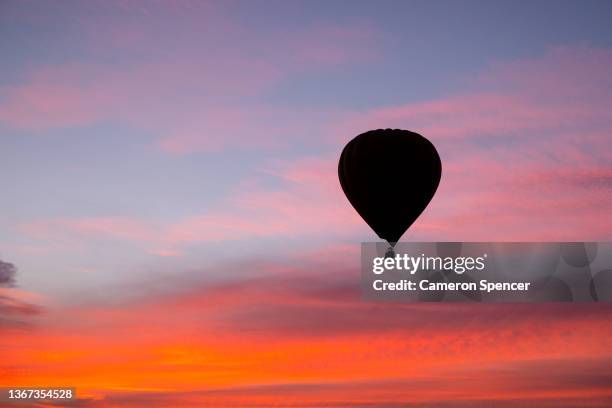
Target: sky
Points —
{"points": [[172, 228]]}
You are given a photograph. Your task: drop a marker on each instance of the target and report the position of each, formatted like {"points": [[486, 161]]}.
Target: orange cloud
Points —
{"points": [[297, 335]]}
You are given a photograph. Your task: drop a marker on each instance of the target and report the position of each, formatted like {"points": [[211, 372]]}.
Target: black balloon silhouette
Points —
{"points": [[389, 176]]}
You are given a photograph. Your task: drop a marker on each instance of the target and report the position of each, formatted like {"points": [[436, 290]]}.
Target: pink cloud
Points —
{"points": [[310, 204], [479, 199], [136, 94], [522, 159], [517, 164], [511, 103], [191, 98], [514, 99]]}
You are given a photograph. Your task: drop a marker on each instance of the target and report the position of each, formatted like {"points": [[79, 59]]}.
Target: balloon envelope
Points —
{"points": [[389, 176]]}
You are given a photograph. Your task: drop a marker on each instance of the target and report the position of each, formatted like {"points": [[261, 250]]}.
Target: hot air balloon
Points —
{"points": [[389, 176]]}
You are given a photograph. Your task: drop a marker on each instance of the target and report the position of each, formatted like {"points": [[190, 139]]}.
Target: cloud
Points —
{"points": [[17, 307], [509, 107], [18, 310], [523, 158], [12, 303], [520, 384], [514, 99], [525, 153], [521, 162], [250, 213], [297, 330], [142, 72], [7, 274]]}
